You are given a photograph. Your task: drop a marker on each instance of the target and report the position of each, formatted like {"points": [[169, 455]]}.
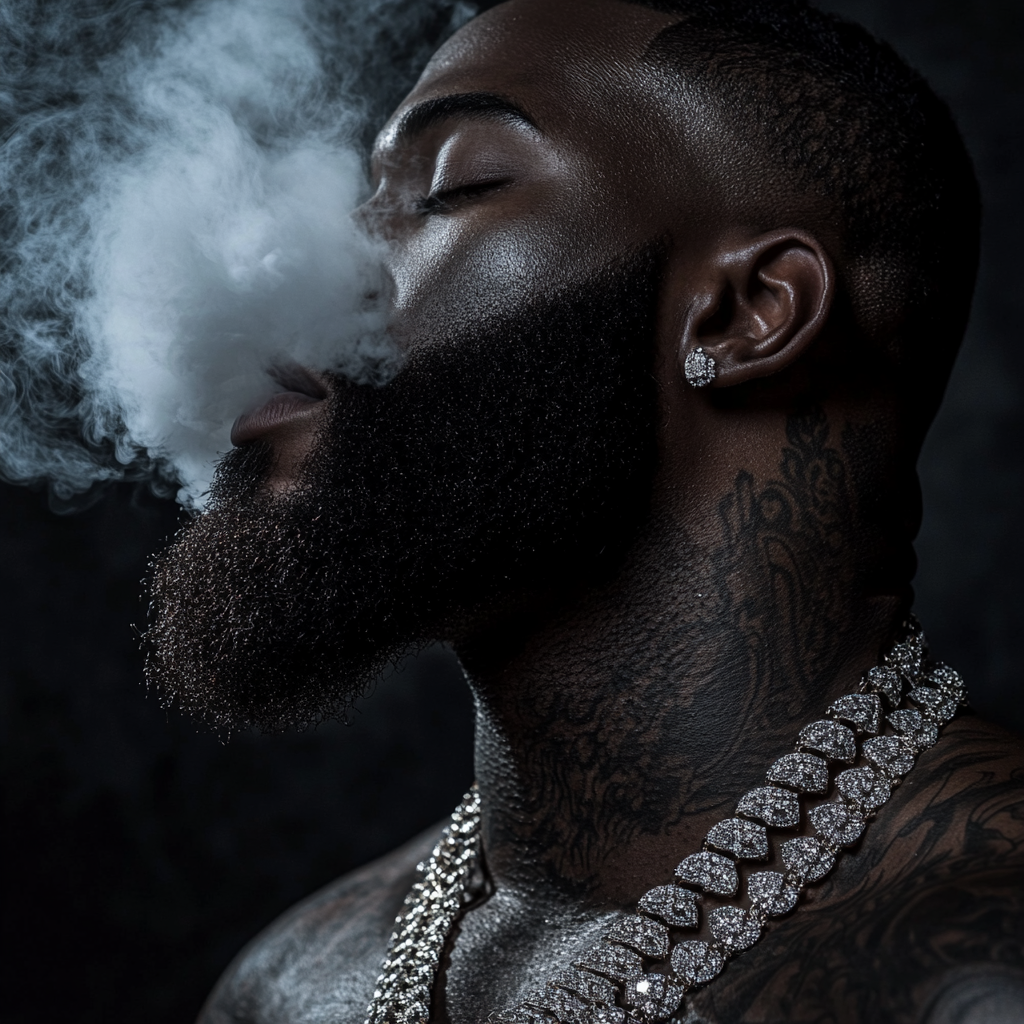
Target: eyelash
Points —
{"points": [[442, 202]]}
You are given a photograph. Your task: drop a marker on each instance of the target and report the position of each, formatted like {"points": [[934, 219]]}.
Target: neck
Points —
{"points": [[615, 730]]}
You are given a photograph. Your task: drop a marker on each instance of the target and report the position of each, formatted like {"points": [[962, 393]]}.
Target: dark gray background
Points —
{"points": [[139, 856]]}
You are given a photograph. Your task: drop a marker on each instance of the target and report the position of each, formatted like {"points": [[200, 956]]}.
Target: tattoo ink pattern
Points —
{"points": [[758, 649], [800, 531]]}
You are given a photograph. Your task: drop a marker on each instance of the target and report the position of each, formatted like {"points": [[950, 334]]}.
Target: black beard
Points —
{"points": [[507, 458]]}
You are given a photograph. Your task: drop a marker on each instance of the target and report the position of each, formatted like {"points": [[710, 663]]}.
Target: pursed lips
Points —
{"points": [[302, 393]]}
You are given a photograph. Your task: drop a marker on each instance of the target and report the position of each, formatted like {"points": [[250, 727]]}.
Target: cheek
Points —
{"points": [[462, 267], [449, 266]]}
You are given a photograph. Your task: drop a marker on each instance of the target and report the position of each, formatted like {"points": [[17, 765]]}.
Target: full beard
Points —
{"points": [[506, 458]]}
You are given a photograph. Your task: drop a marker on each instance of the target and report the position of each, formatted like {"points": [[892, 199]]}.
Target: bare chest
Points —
{"points": [[802, 970], [847, 965]]}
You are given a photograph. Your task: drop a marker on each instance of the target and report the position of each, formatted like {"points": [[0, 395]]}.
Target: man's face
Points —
{"points": [[512, 456], [529, 155]]}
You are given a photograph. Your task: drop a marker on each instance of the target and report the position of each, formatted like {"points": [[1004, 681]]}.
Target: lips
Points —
{"points": [[303, 392]]}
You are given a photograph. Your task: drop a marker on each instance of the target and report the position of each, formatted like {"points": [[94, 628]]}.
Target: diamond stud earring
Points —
{"points": [[699, 368]]}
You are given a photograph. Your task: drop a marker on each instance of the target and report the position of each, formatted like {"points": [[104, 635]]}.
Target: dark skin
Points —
{"points": [[618, 721]]}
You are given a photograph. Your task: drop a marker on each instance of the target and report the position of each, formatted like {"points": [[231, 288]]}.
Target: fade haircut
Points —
{"points": [[826, 111]]}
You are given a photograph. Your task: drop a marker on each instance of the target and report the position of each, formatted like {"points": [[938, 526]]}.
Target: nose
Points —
{"points": [[367, 216], [377, 215]]}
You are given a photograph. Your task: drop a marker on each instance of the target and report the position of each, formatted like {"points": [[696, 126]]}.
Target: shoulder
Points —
{"points": [[319, 961], [922, 921], [947, 880], [958, 911], [960, 812]]}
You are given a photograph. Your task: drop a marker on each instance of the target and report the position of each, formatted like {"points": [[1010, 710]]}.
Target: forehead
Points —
{"points": [[574, 66]]}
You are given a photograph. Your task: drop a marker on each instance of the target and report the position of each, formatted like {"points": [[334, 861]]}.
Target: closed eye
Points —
{"points": [[445, 200]]}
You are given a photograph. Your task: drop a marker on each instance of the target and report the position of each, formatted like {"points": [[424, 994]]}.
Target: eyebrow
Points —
{"points": [[476, 105]]}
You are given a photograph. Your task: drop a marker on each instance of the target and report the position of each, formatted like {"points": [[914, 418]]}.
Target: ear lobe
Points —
{"points": [[761, 302]]}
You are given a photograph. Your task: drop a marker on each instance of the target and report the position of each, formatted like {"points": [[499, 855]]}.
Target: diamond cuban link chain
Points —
{"points": [[642, 968]]}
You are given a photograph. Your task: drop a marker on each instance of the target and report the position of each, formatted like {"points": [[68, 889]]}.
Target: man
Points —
{"points": [[680, 284]]}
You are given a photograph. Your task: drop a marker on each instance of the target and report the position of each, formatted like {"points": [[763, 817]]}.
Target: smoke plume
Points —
{"points": [[177, 183]]}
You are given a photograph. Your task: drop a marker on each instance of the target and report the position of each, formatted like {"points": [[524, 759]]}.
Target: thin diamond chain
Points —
{"points": [[640, 971], [449, 880]]}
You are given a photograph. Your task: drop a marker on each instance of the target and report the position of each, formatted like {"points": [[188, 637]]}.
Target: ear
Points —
{"points": [[758, 303]]}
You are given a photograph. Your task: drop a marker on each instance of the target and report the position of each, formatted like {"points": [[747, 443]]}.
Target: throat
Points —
{"points": [[613, 733], [535, 952], [609, 747]]}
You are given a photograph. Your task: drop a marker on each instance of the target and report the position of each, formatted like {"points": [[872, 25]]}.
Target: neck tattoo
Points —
{"points": [[642, 969]]}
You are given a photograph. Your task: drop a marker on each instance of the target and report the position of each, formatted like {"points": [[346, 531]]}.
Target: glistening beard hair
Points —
{"points": [[503, 459]]}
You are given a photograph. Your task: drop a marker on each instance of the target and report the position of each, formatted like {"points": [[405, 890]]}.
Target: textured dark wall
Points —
{"points": [[139, 856]]}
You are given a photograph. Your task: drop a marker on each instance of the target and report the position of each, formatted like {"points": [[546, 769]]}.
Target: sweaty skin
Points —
{"points": [[618, 721]]}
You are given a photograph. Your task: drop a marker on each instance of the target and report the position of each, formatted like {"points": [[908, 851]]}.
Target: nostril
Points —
{"points": [[296, 378], [368, 213]]}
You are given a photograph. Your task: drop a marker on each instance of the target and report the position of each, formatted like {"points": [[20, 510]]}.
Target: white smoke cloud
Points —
{"points": [[179, 222]]}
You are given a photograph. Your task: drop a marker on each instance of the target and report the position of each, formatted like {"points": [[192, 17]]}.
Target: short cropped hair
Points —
{"points": [[826, 109]]}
